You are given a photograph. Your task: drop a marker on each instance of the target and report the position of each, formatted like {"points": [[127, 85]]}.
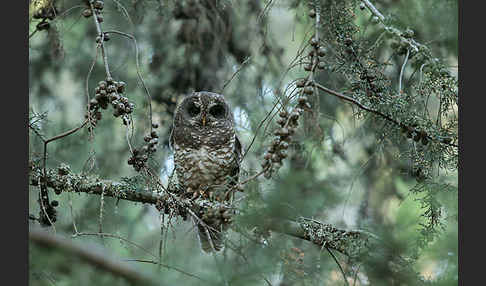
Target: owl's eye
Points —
{"points": [[217, 111], [193, 110]]}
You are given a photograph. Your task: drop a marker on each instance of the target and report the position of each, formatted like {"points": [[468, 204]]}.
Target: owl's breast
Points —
{"points": [[205, 165]]}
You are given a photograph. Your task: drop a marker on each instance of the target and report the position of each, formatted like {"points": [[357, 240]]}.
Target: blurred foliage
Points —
{"points": [[345, 166]]}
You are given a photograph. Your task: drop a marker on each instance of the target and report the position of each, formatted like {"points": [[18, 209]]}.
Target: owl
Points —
{"points": [[207, 156]]}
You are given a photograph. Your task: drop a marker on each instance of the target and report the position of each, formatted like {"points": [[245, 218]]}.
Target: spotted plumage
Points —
{"points": [[207, 156]]}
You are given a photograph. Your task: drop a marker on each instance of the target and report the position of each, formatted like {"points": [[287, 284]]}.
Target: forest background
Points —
{"points": [[365, 193]]}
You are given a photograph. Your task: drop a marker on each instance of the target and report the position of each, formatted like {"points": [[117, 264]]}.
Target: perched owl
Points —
{"points": [[206, 157]]}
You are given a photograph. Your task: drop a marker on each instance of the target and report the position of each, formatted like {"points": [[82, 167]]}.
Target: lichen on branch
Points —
{"points": [[62, 179]]}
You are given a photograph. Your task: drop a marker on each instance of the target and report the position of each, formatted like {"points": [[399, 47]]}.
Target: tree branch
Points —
{"points": [[350, 243], [373, 9], [90, 255], [382, 115], [102, 39]]}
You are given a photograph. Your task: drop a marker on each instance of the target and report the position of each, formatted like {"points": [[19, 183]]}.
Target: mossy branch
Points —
{"points": [[350, 243]]}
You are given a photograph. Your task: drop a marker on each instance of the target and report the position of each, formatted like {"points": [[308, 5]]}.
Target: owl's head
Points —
{"points": [[204, 119], [203, 110]]}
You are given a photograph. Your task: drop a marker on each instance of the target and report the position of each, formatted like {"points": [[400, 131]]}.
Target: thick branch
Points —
{"points": [[351, 243], [88, 254], [63, 180]]}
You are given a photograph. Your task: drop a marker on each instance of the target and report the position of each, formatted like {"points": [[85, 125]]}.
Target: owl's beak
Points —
{"points": [[204, 119]]}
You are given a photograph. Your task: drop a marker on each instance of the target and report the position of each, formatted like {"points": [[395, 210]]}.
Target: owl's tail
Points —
{"points": [[211, 242]]}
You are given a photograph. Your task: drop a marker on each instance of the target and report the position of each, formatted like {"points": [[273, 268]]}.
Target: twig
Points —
{"points": [[102, 200], [317, 8], [138, 70], [102, 40], [164, 225], [262, 13], [401, 72], [87, 91], [36, 132], [257, 130], [33, 33], [254, 176], [384, 116], [125, 13], [356, 275], [67, 133], [339, 264], [241, 253], [43, 193], [421, 68], [372, 47], [113, 236], [166, 266], [72, 214], [236, 72], [373, 9]]}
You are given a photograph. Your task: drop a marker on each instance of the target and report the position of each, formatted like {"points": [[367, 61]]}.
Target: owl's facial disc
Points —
{"points": [[205, 109]]}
